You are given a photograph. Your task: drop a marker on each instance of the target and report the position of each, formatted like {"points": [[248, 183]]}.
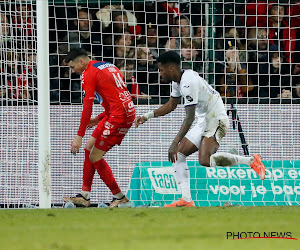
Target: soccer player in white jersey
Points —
{"points": [[202, 101]]}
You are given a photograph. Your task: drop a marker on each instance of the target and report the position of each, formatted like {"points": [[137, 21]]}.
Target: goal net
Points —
{"points": [[247, 50]]}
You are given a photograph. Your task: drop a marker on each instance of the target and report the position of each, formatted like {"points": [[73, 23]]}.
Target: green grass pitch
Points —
{"points": [[147, 228]]}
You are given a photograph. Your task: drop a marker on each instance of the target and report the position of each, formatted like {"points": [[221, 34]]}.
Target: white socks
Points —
{"points": [[182, 172], [86, 194], [119, 195], [226, 160], [182, 176]]}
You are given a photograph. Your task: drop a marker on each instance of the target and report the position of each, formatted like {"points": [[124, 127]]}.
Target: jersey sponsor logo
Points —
{"points": [[189, 98], [186, 86], [124, 96], [129, 107]]}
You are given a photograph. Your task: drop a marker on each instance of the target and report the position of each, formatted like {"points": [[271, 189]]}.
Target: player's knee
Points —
{"points": [[89, 145], [94, 158], [204, 161]]}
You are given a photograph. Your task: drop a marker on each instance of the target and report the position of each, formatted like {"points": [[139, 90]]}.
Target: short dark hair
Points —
{"points": [[74, 53], [169, 57], [178, 18], [86, 10], [116, 13]]}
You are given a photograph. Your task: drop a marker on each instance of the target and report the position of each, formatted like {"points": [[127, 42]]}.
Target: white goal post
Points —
{"points": [[42, 21]]}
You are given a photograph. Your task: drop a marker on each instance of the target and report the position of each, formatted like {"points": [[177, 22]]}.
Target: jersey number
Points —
{"points": [[119, 81]]}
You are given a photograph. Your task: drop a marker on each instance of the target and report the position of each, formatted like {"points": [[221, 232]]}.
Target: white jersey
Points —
{"points": [[196, 91]]}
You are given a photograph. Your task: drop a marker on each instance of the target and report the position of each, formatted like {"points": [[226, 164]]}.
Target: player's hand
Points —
{"points": [[173, 150], [139, 120], [93, 122], [76, 144]]}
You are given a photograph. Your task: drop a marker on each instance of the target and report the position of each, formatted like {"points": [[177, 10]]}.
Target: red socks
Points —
{"points": [[103, 170], [88, 172], [107, 176]]}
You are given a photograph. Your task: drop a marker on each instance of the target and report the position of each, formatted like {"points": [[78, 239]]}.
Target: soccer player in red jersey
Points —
{"points": [[103, 81]]}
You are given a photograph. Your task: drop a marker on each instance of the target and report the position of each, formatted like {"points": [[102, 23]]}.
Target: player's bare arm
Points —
{"points": [[186, 125], [161, 111], [85, 119], [168, 107]]}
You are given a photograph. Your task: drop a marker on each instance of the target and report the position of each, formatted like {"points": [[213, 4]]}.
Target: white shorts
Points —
{"points": [[214, 127]]}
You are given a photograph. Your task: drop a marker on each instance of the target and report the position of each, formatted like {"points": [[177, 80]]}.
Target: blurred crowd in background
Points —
{"points": [[248, 50]]}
